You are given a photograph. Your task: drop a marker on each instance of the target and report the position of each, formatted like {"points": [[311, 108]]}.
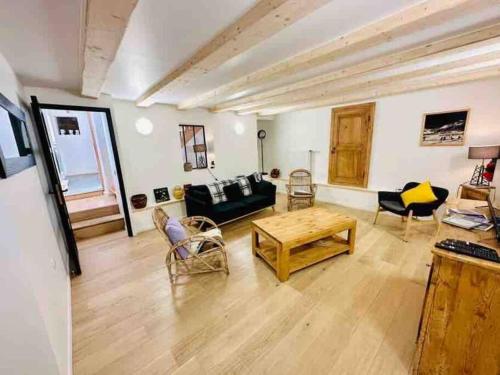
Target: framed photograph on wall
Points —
{"points": [[444, 128], [16, 154]]}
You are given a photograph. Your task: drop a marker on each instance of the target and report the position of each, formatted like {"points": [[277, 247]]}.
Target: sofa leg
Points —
{"points": [[408, 224], [376, 215], [274, 209]]}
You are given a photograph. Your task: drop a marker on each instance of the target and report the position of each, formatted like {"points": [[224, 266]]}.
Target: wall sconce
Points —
{"points": [[144, 126], [239, 128]]}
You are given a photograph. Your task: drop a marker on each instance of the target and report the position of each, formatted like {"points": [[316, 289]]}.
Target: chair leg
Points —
{"points": [[436, 219], [408, 224], [376, 215]]}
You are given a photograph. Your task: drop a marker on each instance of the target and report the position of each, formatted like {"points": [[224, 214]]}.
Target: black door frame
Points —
{"points": [[55, 189], [112, 137]]}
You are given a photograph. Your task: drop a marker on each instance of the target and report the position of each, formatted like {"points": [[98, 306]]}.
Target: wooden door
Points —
{"points": [[350, 144]]}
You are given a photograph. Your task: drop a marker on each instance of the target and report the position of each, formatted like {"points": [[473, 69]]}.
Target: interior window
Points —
{"points": [[193, 145]]}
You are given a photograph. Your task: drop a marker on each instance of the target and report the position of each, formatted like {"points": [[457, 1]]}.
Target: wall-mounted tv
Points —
{"points": [[15, 147]]}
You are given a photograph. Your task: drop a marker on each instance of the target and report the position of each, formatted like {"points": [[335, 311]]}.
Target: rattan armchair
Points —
{"points": [[300, 189], [212, 259]]}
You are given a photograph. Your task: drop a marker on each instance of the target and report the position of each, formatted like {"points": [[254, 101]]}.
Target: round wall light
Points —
{"points": [[144, 126], [239, 128]]}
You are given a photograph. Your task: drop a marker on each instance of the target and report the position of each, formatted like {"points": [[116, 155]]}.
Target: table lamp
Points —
{"points": [[483, 175]]}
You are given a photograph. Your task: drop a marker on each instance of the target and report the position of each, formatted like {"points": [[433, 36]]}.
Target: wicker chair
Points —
{"points": [[212, 259], [300, 189]]}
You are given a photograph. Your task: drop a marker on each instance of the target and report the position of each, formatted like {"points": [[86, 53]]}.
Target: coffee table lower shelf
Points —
{"points": [[305, 255]]}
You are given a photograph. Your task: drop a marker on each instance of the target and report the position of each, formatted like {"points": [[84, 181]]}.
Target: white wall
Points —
{"points": [[397, 156], [35, 313], [155, 160], [76, 151]]}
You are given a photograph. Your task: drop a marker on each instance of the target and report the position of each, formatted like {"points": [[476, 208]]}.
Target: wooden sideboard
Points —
{"points": [[459, 330]]}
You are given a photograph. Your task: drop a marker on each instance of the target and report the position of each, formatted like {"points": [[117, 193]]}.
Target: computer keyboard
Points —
{"points": [[470, 249]]}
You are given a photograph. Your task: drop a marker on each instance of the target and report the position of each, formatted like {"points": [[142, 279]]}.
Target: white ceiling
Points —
{"points": [[41, 40]]}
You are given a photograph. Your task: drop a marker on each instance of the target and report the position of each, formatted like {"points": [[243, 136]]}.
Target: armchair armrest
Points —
{"points": [[198, 222], [184, 249]]}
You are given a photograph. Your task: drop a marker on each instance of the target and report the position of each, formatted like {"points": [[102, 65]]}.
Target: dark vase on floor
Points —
{"points": [[139, 200]]}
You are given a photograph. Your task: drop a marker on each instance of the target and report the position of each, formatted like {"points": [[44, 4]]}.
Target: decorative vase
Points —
{"points": [[139, 200], [275, 173], [178, 192], [188, 167]]}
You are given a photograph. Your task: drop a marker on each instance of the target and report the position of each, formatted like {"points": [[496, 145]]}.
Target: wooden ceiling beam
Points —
{"points": [[490, 51], [378, 32], [395, 88], [432, 49], [265, 19], [106, 21]]}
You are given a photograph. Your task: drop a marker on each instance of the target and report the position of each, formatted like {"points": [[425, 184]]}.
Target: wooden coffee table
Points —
{"points": [[298, 239]]}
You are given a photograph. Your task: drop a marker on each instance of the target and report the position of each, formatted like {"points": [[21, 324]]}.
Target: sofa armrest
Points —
{"points": [[196, 206], [266, 188], [196, 201]]}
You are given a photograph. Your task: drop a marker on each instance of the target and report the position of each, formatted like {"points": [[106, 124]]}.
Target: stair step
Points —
{"points": [[98, 226], [94, 213]]}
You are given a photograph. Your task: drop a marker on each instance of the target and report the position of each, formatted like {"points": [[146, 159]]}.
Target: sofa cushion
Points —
{"points": [[245, 186], [233, 192], [176, 233], [393, 206], [256, 201], [253, 182], [228, 207], [216, 190], [420, 194]]}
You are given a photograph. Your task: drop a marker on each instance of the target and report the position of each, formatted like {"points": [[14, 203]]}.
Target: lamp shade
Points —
{"points": [[484, 152]]}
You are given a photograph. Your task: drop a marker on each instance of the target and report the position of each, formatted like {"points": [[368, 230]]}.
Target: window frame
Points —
{"points": [[182, 128]]}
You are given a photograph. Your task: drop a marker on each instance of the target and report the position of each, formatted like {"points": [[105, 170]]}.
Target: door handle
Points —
{"points": [[333, 150]]}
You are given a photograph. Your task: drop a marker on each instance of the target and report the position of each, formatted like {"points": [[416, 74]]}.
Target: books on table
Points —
{"points": [[468, 219]]}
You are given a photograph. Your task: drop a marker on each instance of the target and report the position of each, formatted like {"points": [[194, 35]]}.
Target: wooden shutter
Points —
{"points": [[350, 144]]}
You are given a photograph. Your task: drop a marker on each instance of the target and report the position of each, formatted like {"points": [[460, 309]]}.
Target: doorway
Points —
{"points": [[350, 145], [83, 166]]}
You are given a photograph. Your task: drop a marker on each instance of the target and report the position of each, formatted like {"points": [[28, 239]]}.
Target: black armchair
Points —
{"points": [[391, 201]]}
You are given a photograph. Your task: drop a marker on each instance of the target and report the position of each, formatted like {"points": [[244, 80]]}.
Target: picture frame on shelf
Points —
{"points": [[161, 195]]}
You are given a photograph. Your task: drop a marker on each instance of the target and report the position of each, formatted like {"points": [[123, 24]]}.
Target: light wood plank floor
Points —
{"points": [[353, 314]]}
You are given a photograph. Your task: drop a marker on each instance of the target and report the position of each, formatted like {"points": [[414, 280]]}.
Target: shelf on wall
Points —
{"points": [[151, 206]]}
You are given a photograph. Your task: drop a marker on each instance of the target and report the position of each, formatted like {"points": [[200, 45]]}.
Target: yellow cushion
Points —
{"points": [[419, 194]]}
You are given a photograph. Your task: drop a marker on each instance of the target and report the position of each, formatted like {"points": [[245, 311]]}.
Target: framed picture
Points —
{"points": [[193, 146], [68, 126], [444, 128], [15, 147], [161, 195]]}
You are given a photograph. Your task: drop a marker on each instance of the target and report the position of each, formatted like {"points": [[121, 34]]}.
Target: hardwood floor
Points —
{"points": [[353, 314]]}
